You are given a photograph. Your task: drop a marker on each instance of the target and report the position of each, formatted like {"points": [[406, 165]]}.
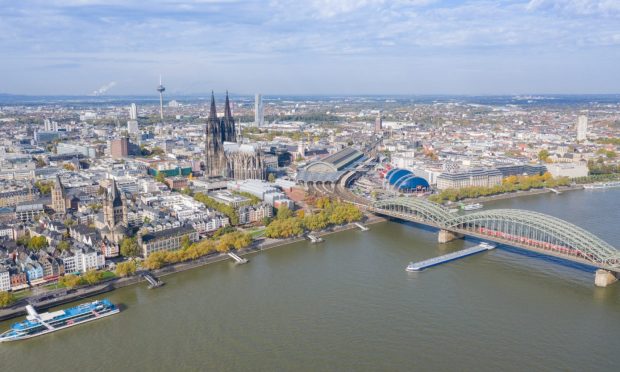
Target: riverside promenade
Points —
{"points": [[79, 293]]}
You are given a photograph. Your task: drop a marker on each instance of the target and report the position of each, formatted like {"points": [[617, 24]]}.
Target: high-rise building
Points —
{"points": [[161, 90], [133, 112], [582, 128], [50, 126], [119, 148], [378, 123], [132, 123], [259, 110]]}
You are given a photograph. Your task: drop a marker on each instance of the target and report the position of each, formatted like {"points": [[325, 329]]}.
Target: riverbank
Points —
{"points": [[258, 245], [517, 194]]}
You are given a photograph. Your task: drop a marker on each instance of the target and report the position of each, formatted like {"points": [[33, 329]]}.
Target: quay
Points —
{"points": [[153, 281], [554, 190], [419, 266], [237, 259]]}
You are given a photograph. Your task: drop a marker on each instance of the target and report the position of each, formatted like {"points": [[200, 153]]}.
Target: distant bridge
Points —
{"points": [[521, 228]]}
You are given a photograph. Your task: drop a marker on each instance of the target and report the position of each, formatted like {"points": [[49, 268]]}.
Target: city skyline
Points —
{"points": [[318, 47]]}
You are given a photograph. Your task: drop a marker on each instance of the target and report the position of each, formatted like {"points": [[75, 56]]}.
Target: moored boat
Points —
{"points": [[472, 207], [39, 324]]}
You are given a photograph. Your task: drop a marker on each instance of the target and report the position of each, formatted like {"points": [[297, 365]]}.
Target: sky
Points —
{"points": [[470, 47]]}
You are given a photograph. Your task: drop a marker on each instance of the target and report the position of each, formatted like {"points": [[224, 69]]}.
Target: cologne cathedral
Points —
{"points": [[224, 157]]}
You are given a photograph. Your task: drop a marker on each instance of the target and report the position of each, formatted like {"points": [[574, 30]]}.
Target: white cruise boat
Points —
{"points": [[472, 207]]}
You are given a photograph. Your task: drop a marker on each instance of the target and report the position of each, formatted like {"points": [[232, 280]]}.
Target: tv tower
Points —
{"points": [[161, 90]]}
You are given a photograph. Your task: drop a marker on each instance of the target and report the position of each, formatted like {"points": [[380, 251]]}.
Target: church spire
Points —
{"points": [[227, 111], [213, 111]]}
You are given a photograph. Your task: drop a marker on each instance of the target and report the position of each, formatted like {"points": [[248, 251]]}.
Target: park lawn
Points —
{"points": [[256, 233], [22, 294], [108, 275]]}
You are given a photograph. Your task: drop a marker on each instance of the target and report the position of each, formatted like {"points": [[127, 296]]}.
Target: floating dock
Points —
{"points": [[419, 266], [153, 281], [362, 227], [237, 259], [315, 239]]}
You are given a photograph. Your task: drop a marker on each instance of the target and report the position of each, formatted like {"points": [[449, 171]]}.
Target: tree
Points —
{"points": [[92, 277], [45, 188], [160, 177], [126, 268], [185, 242], [186, 191], [37, 243], [271, 178], [130, 247], [63, 245], [70, 281], [284, 212], [6, 299], [155, 260], [543, 155], [68, 166]]}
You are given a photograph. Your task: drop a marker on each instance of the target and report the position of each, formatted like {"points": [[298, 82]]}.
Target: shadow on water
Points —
{"points": [[546, 258], [414, 224]]}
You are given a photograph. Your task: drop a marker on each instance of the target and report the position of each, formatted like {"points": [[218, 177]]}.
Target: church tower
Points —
{"points": [[115, 208], [215, 161], [229, 132], [59, 197]]}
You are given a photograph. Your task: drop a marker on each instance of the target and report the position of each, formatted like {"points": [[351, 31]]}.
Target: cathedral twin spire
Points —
{"points": [[226, 125], [218, 131]]}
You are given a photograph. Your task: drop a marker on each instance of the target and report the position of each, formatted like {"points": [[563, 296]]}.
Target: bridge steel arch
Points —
{"points": [[539, 230], [420, 208], [528, 228]]}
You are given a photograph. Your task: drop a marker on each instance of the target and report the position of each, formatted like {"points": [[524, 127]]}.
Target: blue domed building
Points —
{"points": [[403, 180]]}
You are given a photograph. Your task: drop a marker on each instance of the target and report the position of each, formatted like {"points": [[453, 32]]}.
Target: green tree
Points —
{"points": [[6, 299], [63, 245], [37, 243], [271, 178], [70, 281], [543, 155], [45, 188], [185, 242], [126, 268], [283, 213], [92, 277], [160, 177], [130, 247], [155, 260]]}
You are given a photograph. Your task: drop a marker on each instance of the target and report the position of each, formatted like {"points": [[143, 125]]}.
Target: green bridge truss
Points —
{"points": [[525, 227]]}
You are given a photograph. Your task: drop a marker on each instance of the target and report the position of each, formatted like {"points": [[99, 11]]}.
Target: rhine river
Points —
{"points": [[348, 304]]}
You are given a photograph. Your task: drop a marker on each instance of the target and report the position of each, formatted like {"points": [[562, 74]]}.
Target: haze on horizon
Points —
{"points": [[310, 47]]}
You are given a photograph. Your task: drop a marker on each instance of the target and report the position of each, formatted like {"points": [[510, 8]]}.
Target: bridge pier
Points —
{"points": [[603, 278], [448, 236]]}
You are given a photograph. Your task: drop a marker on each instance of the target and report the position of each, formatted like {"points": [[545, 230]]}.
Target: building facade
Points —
{"points": [[469, 178]]}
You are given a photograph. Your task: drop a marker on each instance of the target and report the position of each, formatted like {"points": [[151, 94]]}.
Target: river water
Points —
{"points": [[348, 304]]}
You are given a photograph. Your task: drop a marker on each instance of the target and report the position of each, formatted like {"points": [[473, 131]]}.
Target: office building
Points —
{"points": [[259, 110], [119, 148], [582, 128]]}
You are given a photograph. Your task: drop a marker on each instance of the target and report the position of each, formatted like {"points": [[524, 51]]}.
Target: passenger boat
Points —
{"points": [[602, 185], [472, 207], [39, 324]]}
